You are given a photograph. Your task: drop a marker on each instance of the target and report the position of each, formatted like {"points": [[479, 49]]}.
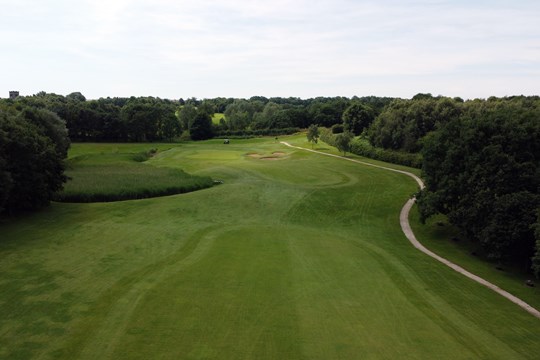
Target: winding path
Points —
{"points": [[406, 227]]}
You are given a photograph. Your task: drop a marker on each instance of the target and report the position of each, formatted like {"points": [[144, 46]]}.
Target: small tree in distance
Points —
{"points": [[313, 134]]}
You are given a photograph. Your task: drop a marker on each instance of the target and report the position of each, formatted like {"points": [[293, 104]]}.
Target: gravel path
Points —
{"points": [[406, 227]]}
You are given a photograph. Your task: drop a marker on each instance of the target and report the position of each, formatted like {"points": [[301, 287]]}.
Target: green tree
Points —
{"points": [[239, 114], [357, 117], [201, 126], [168, 125], [343, 142], [51, 126], [32, 167], [186, 115], [481, 170], [536, 258], [313, 134]]}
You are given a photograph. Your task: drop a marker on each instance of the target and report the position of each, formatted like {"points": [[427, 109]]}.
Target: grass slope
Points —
{"points": [[300, 256], [113, 175]]}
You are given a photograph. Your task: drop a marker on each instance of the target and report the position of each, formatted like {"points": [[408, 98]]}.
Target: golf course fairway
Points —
{"points": [[294, 256]]}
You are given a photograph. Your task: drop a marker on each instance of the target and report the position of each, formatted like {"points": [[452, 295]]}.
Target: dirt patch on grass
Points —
{"points": [[278, 153]]}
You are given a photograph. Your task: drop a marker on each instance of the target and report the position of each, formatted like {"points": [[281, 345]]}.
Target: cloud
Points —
{"points": [[302, 45]]}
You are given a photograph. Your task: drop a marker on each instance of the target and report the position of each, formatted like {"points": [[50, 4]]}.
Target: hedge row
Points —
{"points": [[250, 133], [362, 147]]}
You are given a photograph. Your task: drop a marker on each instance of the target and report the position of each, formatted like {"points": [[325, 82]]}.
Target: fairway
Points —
{"points": [[295, 256]]}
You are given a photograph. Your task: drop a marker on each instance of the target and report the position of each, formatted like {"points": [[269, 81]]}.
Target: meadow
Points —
{"points": [[295, 256]]}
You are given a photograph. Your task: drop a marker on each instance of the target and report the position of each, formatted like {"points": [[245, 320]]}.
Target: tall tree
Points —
{"points": [[201, 126], [357, 117]]}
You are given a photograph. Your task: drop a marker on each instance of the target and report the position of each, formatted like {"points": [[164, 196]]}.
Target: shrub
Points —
{"points": [[362, 147]]}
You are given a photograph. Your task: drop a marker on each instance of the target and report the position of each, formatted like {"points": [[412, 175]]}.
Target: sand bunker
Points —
{"points": [[276, 155]]}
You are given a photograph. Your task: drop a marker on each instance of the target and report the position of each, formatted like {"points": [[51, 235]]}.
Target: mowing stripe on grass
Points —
{"points": [[406, 227]]}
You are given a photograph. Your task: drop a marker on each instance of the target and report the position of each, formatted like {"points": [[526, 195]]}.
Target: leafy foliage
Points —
{"points": [[343, 142], [313, 134], [403, 124], [482, 171], [200, 127], [33, 145], [363, 147], [357, 117]]}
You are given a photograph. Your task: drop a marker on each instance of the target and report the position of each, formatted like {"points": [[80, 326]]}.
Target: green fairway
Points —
{"points": [[295, 256]]}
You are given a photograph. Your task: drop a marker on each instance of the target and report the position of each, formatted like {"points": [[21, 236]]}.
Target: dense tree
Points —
{"points": [[536, 258], [266, 118], [403, 124], [168, 124], [239, 114], [6, 182], [482, 171], [186, 115], [357, 117], [32, 164], [201, 126], [51, 126]]}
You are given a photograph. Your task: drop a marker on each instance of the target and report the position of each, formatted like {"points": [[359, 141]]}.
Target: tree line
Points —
{"points": [[154, 119]]}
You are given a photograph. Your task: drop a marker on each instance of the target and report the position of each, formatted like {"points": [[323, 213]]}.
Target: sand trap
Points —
{"points": [[278, 153]]}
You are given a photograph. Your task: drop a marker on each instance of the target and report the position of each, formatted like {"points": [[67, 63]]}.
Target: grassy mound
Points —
{"points": [[124, 176]]}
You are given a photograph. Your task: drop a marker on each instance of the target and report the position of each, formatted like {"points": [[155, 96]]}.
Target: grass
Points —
{"points": [[299, 257], [437, 235], [113, 176], [217, 117]]}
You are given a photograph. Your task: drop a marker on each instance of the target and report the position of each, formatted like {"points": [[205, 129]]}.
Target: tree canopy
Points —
{"points": [[33, 145], [482, 170]]}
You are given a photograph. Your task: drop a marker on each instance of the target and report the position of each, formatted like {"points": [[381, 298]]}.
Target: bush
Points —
{"points": [[327, 136], [362, 147]]}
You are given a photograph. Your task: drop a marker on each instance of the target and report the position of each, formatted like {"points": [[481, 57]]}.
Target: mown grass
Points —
{"points": [[115, 176], [301, 257], [216, 117]]}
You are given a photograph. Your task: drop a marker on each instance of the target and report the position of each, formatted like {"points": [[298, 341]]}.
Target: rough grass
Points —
{"points": [[123, 176], [301, 258]]}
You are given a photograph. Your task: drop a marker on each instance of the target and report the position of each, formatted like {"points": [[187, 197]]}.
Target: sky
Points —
{"points": [[240, 48]]}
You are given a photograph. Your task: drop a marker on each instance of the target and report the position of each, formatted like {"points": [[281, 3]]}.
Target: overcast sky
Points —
{"points": [[241, 48]]}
